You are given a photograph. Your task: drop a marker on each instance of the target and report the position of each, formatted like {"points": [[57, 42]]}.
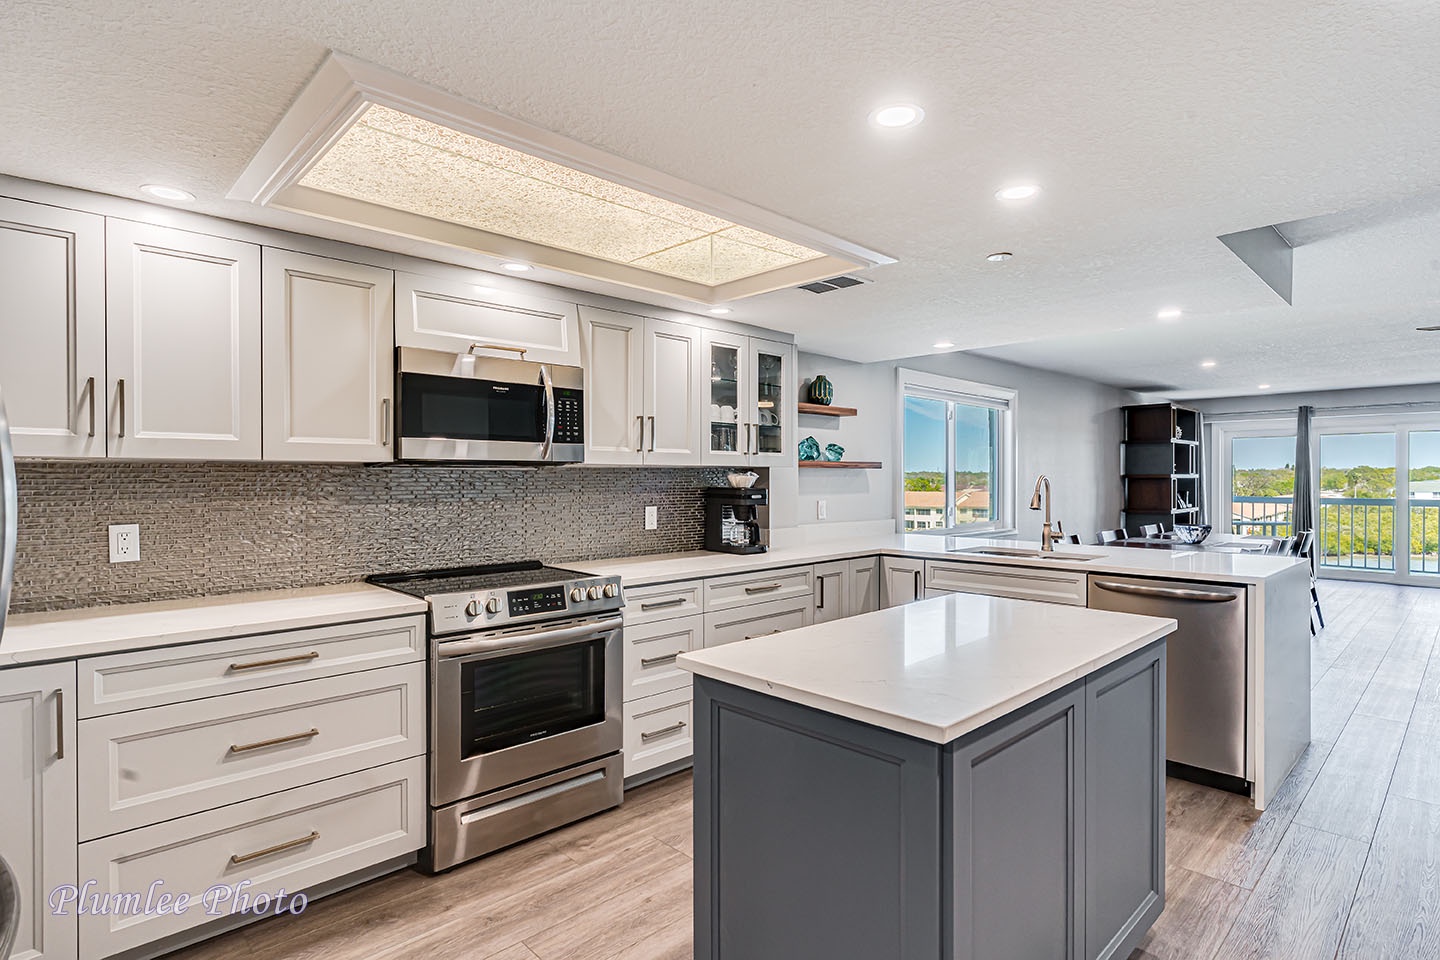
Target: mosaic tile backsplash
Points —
{"points": [[209, 528]]}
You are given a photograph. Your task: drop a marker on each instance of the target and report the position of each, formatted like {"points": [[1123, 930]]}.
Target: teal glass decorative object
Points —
{"points": [[822, 391], [834, 452], [809, 449]]}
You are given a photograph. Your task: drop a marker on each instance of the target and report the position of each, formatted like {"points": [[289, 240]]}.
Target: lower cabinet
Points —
{"points": [[901, 580], [864, 585], [37, 815], [758, 620], [238, 859], [658, 730], [832, 591], [1020, 583]]}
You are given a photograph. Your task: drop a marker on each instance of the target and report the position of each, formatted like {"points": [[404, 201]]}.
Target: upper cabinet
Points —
{"points": [[750, 413], [52, 328], [453, 315], [183, 336], [329, 357], [642, 389]]}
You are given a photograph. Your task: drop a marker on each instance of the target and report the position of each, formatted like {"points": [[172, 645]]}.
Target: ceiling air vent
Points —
{"points": [[834, 283]]}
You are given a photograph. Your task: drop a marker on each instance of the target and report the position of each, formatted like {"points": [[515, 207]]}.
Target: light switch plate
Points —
{"points": [[124, 542], [819, 509], [652, 518]]}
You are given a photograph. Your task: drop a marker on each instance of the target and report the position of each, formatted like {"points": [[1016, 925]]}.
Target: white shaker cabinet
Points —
{"points": [[751, 409], [52, 329], [328, 346], [901, 580], [451, 314], [183, 334], [642, 389], [37, 782], [864, 585], [832, 591]]}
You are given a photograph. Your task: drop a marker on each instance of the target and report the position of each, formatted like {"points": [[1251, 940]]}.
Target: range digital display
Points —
{"points": [[542, 600]]}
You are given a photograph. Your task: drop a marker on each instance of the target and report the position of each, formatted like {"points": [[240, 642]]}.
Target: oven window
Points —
{"points": [[458, 408], [506, 701]]}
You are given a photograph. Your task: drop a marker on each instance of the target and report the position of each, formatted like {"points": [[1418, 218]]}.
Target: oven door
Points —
{"points": [[511, 705]]}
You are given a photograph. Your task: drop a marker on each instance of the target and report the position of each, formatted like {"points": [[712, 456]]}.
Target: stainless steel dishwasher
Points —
{"points": [[1205, 679]]}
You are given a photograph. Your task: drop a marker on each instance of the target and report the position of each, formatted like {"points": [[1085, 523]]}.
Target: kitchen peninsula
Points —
{"points": [[963, 776]]}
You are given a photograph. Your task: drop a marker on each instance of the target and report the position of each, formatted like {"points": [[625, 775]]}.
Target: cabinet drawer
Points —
{"points": [[151, 765], [289, 840], [658, 730], [152, 678], [742, 590], [759, 620], [1021, 583], [650, 652], [664, 601]]}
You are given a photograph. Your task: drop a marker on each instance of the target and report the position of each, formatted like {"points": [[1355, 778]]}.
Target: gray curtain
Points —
{"points": [[1303, 514]]}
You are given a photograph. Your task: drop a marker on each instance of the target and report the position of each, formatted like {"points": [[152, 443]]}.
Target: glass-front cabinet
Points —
{"points": [[750, 380]]}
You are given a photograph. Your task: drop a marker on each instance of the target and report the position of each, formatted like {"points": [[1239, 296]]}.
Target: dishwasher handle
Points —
{"points": [[1167, 593]]}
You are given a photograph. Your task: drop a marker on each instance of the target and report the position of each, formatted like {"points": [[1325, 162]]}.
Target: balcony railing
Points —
{"points": [[1353, 533], [1270, 520]]}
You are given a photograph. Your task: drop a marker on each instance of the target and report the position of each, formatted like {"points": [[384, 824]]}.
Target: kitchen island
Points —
{"points": [[965, 776]]}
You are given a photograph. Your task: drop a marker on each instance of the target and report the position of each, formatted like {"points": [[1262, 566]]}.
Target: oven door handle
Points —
{"points": [[549, 411], [539, 640]]}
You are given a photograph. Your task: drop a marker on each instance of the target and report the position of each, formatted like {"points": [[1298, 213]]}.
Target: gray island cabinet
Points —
{"points": [[968, 778]]}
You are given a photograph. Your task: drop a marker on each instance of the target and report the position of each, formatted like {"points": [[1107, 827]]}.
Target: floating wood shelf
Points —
{"points": [[842, 464], [825, 410]]}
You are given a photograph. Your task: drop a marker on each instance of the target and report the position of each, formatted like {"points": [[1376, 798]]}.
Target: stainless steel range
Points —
{"points": [[525, 693]]}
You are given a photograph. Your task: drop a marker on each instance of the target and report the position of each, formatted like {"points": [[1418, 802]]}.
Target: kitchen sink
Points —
{"points": [[1026, 552]]}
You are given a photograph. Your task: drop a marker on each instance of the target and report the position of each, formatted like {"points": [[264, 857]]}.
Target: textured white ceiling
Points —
{"points": [[1153, 128]]}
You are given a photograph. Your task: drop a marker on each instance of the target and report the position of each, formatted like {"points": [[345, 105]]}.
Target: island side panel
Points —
{"points": [[1124, 803], [815, 836], [1282, 678], [1015, 805]]}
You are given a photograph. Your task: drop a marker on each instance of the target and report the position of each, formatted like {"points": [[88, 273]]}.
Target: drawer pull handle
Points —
{"points": [[652, 734], [662, 604], [767, 588], [766, 634], [652, 661], [256, 664], [274, 741], [239, 858], [59, 724]]}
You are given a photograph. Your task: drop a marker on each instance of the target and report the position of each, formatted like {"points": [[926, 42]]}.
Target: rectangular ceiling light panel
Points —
{"points": [[344, 152]]}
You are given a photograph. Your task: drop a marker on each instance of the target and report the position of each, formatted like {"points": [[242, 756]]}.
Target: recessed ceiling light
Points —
{"points": [[161, 192], [1002, 255], [516, 267], [1169, 313], [1264, 386], [943, 344], [1020, 191], [1207, 364], [719, 311], [897, 116]]}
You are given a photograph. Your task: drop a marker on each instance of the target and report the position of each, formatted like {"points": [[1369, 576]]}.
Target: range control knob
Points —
{"points": [[492, 605], [594, 593], [577, 594], [611, 590], [472, 609]]}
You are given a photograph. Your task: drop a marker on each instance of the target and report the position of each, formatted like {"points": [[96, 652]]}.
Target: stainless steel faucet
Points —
{"points": [[1048, 533]]}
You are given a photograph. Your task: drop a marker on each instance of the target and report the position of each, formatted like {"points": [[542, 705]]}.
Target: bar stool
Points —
{"points": [[1151, 529]]}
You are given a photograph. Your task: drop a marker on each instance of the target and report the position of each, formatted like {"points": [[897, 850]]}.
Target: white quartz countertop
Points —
{"points": [[935, 669], [1210, 566], [33, 637]]}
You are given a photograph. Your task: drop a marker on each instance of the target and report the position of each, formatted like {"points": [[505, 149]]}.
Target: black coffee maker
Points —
{"points": [[737, 520]]}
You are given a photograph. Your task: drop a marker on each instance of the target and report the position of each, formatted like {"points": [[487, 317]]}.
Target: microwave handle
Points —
{"points": [[549, 412]]}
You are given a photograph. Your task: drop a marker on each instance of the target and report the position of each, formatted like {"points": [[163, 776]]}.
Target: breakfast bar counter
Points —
{"points": [[964, 776]]}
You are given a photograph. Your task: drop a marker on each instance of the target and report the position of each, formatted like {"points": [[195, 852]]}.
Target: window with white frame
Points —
{"points": [[957, 454]]}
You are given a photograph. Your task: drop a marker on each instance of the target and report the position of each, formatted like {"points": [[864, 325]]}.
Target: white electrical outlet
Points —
{"points": [[652, 518], [819, 509], [124, 542]]}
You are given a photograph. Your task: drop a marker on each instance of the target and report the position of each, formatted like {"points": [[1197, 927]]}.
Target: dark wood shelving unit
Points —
{"points": [[1160, 465]]}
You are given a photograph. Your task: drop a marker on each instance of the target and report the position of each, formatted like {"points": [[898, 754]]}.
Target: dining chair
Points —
{"points": [[1304, 547], [9, 909], [1111, 536], [1151, 529], [1073, 538]]}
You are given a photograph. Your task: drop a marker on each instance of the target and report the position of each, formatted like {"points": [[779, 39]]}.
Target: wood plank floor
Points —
{"points": [[1345, 863]]}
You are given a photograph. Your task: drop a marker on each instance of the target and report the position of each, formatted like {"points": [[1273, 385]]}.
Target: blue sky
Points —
{"points": [[925, 436], [1342, 451]]}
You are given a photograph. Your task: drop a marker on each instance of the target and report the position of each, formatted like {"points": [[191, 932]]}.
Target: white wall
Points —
{"points": [[1065, 427], [1285, 403]]}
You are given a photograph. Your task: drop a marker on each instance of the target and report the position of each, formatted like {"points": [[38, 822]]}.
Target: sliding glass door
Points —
{"points": [[1356, 519], [1262, 485], [1423, 492]]}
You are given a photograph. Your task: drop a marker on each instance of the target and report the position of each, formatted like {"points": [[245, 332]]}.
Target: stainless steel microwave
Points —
{"points": [[464, 407]]}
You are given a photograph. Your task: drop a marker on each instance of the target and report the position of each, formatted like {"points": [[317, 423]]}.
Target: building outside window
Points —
{"points": [[957, 454]]}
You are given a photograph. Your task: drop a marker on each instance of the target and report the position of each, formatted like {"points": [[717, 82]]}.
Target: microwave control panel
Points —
{"points": [[569, 416]]}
